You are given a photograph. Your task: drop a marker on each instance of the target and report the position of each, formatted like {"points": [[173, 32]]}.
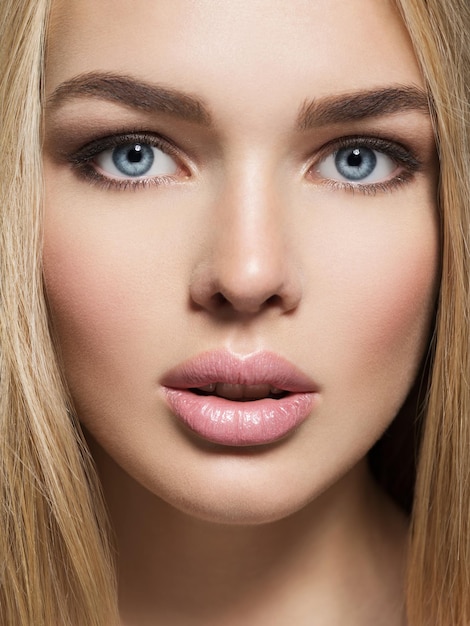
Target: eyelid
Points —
{"points": [[82, 159], [402, 155]]}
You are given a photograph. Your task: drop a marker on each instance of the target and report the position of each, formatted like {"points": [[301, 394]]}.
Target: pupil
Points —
{"points": [[355, 159], [134, 155]]}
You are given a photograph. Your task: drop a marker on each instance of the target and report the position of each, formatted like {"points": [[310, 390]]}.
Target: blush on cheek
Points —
{"points": [[397, 309], [88, 302], [373, 290]]}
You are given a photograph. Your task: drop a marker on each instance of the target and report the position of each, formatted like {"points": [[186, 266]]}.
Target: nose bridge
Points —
{"points": [[248, 265]]}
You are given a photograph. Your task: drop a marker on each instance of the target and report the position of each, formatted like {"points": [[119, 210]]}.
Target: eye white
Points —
{"points": [[135, 160], [357, 164]]}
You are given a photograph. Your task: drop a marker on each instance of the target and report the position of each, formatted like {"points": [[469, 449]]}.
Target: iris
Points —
{"points": [[133, 159], [355, 163]]}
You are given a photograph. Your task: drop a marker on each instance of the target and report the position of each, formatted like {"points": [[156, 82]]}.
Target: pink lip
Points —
{"points": [[235, 423]]}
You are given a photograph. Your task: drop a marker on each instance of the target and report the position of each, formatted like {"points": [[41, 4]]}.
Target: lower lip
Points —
{"points": [[232, 423]]}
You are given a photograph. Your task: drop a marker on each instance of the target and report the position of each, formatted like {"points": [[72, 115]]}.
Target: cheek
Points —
{"points": [[86, 289], [105, 298], [375, 308], [397, 298]]}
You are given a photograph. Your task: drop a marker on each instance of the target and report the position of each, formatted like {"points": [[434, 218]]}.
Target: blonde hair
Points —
{"points": [[56, 566], [439, 559], [55, 563]]}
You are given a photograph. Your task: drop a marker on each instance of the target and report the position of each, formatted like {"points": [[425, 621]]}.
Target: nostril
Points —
{"points": [[219, 299], [247, 304], [274, 301], [215, 288]]}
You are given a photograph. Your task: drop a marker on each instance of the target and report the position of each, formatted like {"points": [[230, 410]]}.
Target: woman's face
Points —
{"points": [[240, 239]]}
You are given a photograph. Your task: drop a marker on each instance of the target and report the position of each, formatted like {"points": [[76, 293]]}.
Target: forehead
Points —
{"points": [[235, 51]]}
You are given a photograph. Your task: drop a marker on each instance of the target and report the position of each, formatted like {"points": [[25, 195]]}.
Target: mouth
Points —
{"points": [[240, 393], [239, 401]]}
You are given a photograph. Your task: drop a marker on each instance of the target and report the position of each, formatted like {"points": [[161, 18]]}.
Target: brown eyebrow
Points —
{"points": [[149, 97], [356, 106], [131, 92]]}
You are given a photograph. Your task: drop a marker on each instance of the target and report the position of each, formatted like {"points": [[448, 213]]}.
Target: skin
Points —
{"points": [[247, 246]]}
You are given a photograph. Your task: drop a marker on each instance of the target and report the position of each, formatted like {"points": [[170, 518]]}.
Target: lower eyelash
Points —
{"points": [[82, 162], [402, 156], [89, 173], [370, 189]]}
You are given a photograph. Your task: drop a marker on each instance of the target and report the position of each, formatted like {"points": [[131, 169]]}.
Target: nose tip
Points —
{"points": [[247, 261], [246, 283]]}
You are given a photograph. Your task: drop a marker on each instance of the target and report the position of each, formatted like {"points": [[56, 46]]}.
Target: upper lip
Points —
{"points": [[222, 366]]}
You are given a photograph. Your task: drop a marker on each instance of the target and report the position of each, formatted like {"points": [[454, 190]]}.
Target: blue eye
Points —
{"points": [[357, 164], [135, 160]]}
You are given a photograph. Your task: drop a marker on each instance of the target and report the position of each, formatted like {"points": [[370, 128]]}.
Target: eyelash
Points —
{"points": [[396, 151], [82, 162]]}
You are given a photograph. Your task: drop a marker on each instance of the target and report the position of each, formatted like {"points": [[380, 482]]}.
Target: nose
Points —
{"points": [[248, 264]]}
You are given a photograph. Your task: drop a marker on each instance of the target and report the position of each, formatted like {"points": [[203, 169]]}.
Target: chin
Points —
{"points": [[240, 509], [250, 496]]}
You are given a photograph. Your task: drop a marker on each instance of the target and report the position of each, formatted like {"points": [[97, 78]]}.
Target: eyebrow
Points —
{"points": [[360, 105], [130, 92], [150, 97]]}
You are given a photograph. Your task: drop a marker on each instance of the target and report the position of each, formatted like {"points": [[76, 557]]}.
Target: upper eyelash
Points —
{"points": [[82, 159], [395, 150]]}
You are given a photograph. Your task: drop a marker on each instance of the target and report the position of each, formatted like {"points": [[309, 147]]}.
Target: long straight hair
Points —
{"points": [[55, 563], [56, 567], [439, 556]]}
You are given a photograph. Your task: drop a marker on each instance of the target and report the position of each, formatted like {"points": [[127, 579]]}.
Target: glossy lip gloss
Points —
{"points": [[241, 422]]}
